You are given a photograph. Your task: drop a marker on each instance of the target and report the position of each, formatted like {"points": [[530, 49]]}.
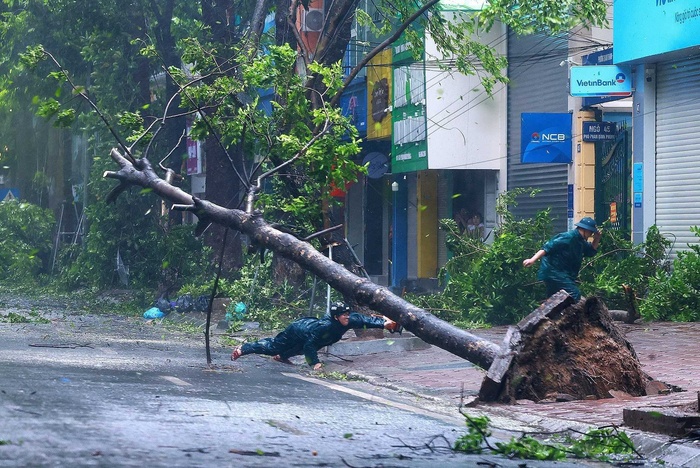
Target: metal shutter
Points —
{"points": [[537, 84], [678, 149]]}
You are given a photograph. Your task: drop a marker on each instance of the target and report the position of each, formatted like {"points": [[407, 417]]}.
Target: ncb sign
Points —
{"points": [[545, 138]]}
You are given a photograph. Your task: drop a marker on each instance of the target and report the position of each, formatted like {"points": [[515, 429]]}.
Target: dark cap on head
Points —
{"points": [[339, 308], [588, 224]]}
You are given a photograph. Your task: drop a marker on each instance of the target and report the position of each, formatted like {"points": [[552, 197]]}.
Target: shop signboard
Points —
{"points": [[648, 28], [601, 80], [545, 138], [409, 144]]}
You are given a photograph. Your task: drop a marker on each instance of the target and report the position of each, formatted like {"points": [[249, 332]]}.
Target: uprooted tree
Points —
{"points": [[557, 340], [561, 348]]}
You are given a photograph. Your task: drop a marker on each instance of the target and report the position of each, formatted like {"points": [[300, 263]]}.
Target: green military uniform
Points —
{"points": [[562, 262]]}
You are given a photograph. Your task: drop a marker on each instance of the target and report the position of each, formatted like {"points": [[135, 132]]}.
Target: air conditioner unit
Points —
{"points": [[312, 20]]}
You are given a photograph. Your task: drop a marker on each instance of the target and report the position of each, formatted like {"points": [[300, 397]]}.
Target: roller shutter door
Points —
{"points": [[537, 84], [678, 149]]}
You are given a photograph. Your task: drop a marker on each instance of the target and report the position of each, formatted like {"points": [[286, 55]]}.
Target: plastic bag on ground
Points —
{"points": [[162, 303], [153, 313], [201, 304]]}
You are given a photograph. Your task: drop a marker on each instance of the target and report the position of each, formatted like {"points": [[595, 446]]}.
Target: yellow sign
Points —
{"points": [[613, 212], [379, 74]]}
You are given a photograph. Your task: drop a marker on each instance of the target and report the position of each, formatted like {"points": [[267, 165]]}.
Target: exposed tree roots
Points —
{"points": [[565, 351]]}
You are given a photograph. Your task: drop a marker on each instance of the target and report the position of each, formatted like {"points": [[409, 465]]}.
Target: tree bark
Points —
{"points": [[222, 188]]}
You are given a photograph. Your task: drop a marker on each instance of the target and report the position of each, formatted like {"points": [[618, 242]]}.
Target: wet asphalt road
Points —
{"points": [[102, 390]]}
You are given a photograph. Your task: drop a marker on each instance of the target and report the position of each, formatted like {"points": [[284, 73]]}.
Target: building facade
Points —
{"points": [[434, 144], [661, 42]]}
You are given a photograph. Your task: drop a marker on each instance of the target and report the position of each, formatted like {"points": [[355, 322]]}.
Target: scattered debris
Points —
{"points": [[259, 453]]}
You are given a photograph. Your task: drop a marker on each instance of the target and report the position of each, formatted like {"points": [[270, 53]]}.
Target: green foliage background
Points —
{"points": [[487, 284], [675, 294], [487, 281], [26, 233]]}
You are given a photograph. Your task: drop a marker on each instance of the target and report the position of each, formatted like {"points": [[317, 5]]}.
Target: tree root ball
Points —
{"points": [[566, 353]]}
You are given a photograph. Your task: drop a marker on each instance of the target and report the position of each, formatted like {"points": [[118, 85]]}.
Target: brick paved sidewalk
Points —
{"points": [[669, 352]]}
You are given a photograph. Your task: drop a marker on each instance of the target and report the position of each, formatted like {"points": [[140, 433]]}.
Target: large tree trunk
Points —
{"points": [[559, 348], [223, 189], [414, 319]]}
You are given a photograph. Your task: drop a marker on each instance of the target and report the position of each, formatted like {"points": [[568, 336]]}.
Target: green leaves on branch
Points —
{"points": [[603, 444], [551, 16], [674, 294], [298, 125], [32, 57], [51, 109], [457, 33], [621, 262], [487, 282]]}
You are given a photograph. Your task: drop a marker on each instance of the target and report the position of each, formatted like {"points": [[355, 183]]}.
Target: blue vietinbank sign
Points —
{"points": [[545, 138], [601, 80]]}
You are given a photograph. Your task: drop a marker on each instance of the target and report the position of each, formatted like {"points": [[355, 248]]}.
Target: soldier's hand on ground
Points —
{"points": [[318, 366]]}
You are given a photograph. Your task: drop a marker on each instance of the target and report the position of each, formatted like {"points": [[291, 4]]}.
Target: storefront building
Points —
{"points": [[661, 41]]}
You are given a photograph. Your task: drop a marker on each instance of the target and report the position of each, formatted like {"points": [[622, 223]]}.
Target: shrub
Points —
{"points": [[488, 282], [25, 240], [675, 294], [158, 256], [620, 262]]}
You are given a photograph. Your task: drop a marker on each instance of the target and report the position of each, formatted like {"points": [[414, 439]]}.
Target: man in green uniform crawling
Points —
{"points": [[562, 256], [309, 334]]}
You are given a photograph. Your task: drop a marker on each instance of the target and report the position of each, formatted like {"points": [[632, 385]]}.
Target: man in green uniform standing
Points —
{"points": [[562, 256]]}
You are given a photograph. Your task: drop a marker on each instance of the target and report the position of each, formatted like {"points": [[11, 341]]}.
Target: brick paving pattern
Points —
{"points": [[669, 352]]}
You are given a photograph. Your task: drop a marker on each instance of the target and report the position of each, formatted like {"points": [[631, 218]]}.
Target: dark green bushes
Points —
{"points": [[25, 241], [486, 283], [158, 255], [675, 294], [620, 262]]}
